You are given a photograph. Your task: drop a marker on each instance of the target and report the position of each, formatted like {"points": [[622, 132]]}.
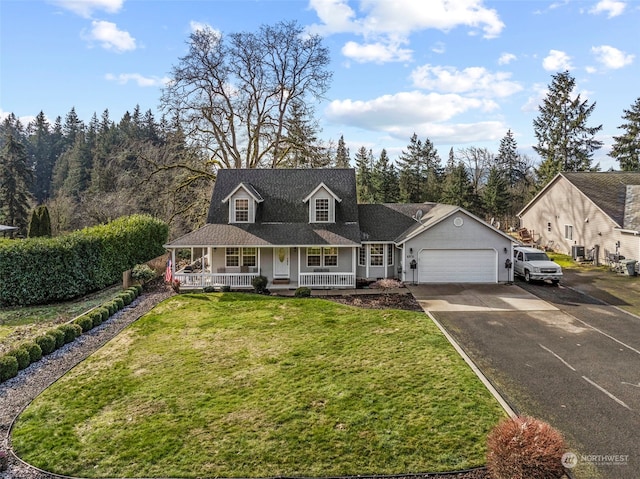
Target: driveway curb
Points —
{"points": [[501, 400]]}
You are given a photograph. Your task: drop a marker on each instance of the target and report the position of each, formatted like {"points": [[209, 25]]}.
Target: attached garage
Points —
{"points": [[458, 266]]}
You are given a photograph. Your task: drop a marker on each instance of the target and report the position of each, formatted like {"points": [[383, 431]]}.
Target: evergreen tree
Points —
{"points": [[512, 165], [15, 179], [419, 172], [301, 147], [565, 142], [495, 194], [458, 189], [385, 180], [41, 157], [342, 154], [40, 224], [364, 180], [626, 147]]}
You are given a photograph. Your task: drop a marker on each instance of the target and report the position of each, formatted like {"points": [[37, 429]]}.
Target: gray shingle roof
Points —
{"points": [[607, 190], [386, 222]]}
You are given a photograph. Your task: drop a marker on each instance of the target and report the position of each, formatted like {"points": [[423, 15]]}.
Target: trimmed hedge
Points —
{"points": [[85, 322], [35, 353], [71, 332], [8, 367], [47, 343], [22, 356], [46, 270]]}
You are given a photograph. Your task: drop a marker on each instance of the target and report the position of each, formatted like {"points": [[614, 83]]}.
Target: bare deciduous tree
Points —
{"points": [[232, 94]]}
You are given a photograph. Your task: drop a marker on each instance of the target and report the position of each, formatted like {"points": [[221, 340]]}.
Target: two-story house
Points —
{"points": [[304, 227]]}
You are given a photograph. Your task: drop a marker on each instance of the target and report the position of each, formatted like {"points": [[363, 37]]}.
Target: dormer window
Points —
{"points": [[322, 210], [241, 210]]}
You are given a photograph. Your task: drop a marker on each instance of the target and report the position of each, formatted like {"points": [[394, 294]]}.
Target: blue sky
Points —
{"points": [[459, 72]]}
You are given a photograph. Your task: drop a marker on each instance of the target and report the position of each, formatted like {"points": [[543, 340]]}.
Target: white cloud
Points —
{"points": [[85, 8], [109, 37], [195, 26], [611, 57], [474, 81], [613, 8], [376, 52], [387, 24], [439, 48], [140, 80], [556, 61], [389, 112], [506, 58]]}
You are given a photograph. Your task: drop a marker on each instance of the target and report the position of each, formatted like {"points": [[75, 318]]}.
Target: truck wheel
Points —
{"points": [[527, 276], [555, 282]]}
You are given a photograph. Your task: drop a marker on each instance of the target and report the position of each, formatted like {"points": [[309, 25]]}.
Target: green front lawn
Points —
{"points": [[240, 385]]}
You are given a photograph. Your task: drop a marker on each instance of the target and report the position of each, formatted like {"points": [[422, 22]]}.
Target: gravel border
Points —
{"points": [[17, 393]]}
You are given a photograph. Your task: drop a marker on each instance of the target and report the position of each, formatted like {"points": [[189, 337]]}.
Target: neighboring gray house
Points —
{"points": [[303, 227], [587, 209]]}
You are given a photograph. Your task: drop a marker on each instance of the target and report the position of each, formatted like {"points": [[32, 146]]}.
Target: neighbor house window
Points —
{"points": [[232, 257], [362, 256], [322, 210], [377, 255], [242, 210], [549, 227], [568, 232], [249, 257], [389, 255]]}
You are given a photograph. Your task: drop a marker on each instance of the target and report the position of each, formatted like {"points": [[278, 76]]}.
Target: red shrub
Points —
{"points": [[525, 448]]}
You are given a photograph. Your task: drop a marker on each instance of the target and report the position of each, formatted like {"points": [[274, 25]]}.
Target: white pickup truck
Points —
{"points": [[534, 265]]}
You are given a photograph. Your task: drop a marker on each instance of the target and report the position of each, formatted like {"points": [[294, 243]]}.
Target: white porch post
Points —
{"points": [[354, 262], [299, 265], [210, 256], [259, 264], [173, 263]]}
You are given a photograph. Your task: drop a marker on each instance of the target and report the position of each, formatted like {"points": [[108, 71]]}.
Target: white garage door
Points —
{"points": [[457, 266]]}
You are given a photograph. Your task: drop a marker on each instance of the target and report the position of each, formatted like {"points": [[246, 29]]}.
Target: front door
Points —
{"points": [[281, 263]]}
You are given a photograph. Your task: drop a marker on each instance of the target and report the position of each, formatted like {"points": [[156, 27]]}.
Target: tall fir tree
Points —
{"points": [[495, 194], [15, 180], [565, 142], [41, 157], [419, 172], [385, 180], [626, 147], [342, 154], [457, 188], [364, 177]]}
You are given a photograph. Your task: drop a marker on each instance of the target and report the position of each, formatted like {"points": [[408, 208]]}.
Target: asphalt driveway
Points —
{"points": [[558, 355]]}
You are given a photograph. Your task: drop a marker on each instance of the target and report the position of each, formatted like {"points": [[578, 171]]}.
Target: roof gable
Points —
{"points": [[319, 187], [284, 192], [251, 191], [606, 190]]}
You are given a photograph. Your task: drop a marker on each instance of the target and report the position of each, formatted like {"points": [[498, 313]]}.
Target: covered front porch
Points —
{"points": [[285, 267]]}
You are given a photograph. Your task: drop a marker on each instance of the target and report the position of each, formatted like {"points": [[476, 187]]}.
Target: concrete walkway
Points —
{"points": [[477, 297]]}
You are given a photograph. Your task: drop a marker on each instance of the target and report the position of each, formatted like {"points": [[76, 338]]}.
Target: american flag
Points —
{"points": [[168, 274]]}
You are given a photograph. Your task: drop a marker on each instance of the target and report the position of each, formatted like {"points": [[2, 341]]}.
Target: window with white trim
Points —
{"points": [[390, 255], [232, 257], [314, 256], [241, 210], [249, 257], [362, 256], [376, 255], [330, 256], [568, 232], [322, 210]]}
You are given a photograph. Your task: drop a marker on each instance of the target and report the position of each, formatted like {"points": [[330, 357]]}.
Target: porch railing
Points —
{"points": [[327, 280], [201, 280]]}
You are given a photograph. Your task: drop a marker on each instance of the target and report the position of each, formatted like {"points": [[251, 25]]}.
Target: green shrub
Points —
{"points": [[22, 356], [138, 288], [47, 343], [225, 288], [259, 283], [46, 270], [96, 318], [134, 291], [119, 302], [142, 273], [8, 367], [525, 448], [127, 297], [35, 353], [111, 306], [85, 322], [104, 312], [302, 292], [59, 337], [71, 332], [209, 289]]}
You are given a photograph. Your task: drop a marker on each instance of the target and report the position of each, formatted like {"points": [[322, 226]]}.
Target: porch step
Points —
{"points": [[280, 281]]}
